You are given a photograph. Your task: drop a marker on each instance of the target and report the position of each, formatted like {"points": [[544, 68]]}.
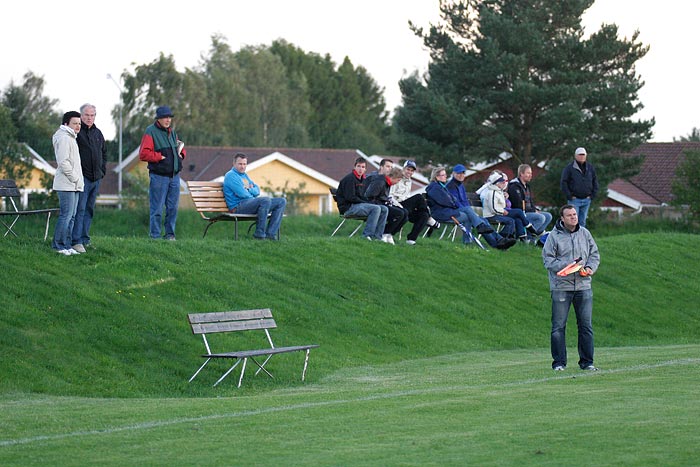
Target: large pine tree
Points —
{"points": [[520, 76]]}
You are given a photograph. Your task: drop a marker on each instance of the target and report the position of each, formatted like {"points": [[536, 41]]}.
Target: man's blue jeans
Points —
{"points": [[68, 204], [583, 306], [262, 205], [581, 205], [85, 212], [163, 191], [376, 218]]}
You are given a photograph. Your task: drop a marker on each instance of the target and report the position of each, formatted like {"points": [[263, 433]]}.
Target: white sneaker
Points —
{"points": [[63, 252], [369, 238], [388, 238], [558, 368], [71, 251], [410, 242], [79, 248]]}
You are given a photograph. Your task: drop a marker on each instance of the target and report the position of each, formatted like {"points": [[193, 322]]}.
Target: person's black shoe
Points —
{"points": [[505, 243], [484, 229], [530, 228]]}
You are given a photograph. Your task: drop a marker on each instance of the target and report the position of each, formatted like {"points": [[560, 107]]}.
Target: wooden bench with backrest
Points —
{"points": [[208, 199], [246, 320], [9, 191]]}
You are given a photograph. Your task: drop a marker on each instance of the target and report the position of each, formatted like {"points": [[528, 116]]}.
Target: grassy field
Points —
{"points": [[430, 355]]}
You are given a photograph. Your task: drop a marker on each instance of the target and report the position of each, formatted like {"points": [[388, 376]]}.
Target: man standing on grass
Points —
{"points": [[567, 243], [93, 159]]}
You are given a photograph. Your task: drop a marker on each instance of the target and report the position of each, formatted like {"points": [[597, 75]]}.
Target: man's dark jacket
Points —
{"points": [[579, 182], [351, 190], [93, 152]]}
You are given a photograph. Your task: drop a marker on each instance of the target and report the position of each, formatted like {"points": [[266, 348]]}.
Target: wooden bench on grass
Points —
{"points": [[9, 190], [208, 199], [246, 320]]}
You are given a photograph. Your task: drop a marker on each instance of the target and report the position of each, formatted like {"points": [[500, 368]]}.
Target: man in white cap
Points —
{"points": [[579, 184]]}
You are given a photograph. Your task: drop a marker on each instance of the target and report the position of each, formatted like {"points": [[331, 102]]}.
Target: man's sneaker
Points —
{"points": [[559, 368], [388, 238], [368, 238], [63, 252], [79, 248], [410, 242], [589, 368], [71, 251]]}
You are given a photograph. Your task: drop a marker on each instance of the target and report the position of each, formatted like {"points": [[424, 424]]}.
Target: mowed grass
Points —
{"points": [[430, 355], [475, 408]]}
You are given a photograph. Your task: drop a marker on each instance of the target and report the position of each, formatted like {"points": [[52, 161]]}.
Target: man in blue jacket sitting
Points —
{"points": [[243, 197]]}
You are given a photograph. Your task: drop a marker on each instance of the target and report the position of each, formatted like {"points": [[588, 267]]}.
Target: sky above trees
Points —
{"points": [[374, 34]]}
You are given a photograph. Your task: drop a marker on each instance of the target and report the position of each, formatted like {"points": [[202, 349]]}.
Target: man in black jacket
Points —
{"points": [[351, 200], [579, 184], [93, 160], [521, 198]]}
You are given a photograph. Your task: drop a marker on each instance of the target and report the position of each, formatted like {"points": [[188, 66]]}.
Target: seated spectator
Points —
{"points": [[521, 197], [495, 204], [443, 207], [417, 207], [243, 197], [377, 192], [352, 202]]}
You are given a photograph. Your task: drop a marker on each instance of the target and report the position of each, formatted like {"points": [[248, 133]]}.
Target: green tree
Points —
{"points": [[686, 187], [519, 76], [33, 115], [694, 135]]}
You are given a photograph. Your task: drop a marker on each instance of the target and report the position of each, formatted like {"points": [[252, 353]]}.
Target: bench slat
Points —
{"points": [[229, 326], [217, 317]]}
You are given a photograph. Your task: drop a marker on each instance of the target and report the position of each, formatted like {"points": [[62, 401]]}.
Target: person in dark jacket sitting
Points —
{"points": [[377, 192], [521, 197], [351, 200], [443, 207]]}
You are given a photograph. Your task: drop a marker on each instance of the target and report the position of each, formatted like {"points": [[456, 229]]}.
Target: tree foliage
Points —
{"points": [[694, 135], [686, 187], [259, 97], [519, 76]]}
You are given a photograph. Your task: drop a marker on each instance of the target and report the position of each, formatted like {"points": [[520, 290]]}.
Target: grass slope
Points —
{"points": [[116, 317]]}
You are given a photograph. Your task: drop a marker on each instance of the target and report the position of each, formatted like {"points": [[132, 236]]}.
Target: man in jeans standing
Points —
{"points": [[579, 184], [243, 197], [567, 243], [160, 147], [352, 202], [93, 160]]}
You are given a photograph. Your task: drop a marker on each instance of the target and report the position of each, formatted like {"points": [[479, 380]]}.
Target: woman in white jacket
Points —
{"points": [[68, 181], [494, 201]]}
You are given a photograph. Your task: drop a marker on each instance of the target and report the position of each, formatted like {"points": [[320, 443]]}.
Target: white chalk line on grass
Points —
{"points": [[311, 405]]}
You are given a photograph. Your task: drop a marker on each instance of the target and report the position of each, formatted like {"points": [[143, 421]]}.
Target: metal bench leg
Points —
{"points": [[235, 233], [48, 218], [240, 380], [200, 369], [339, 226], [229, 371], [263, 364], [357, 228], [261, 367], [306, 362]]}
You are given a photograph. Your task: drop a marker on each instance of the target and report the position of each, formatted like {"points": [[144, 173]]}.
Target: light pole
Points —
{"points": [[119, 174]]}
